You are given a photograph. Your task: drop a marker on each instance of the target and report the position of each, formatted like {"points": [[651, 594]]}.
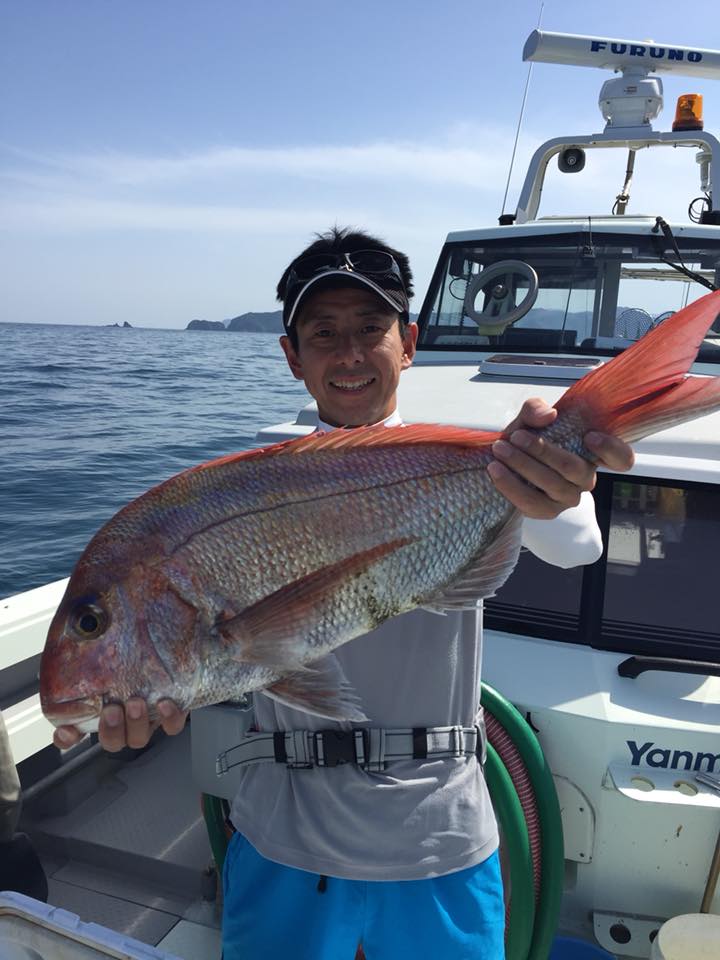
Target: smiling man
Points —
{"points": [[394, 848], [396, 855]]}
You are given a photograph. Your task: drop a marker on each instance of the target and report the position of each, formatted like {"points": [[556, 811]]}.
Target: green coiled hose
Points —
{"points": [[517, 843], [551, 831]]}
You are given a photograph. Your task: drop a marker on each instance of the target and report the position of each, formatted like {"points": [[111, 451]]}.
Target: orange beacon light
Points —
{"points": [[688, 113]]}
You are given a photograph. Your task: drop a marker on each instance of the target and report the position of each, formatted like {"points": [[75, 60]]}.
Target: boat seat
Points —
{"points": [[632, 323]]}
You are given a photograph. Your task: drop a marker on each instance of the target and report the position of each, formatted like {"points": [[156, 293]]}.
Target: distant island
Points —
{"points": [[268, 322], [121, 325], [205, 325]]}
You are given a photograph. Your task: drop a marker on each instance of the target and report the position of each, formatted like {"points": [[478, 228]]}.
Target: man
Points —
{"points": [[400, 857], [20, 866]]}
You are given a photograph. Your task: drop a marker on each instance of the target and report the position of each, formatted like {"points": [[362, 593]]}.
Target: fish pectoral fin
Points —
{"points": [[484, 574], [273, 631], [322, 690]]}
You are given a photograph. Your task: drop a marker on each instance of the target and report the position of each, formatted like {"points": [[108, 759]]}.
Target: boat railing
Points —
{"points": [[24, 622], [630, 139]]}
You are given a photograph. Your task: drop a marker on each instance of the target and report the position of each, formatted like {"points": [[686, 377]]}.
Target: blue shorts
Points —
{"points": [[272, 911]]}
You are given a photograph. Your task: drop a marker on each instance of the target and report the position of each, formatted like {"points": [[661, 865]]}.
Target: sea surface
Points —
{"points": [[91, 417]]}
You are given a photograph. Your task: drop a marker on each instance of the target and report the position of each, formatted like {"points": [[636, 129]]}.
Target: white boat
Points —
{"points": [[616, 667]]}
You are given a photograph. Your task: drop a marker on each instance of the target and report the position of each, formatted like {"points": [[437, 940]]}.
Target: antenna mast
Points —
{"points": [[520, 119]]}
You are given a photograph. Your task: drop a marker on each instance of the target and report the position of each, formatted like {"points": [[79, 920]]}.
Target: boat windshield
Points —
{"points": [[592, 291]]}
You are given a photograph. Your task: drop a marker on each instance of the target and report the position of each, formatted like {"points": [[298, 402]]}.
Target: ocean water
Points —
{"points": [[91, 417]]}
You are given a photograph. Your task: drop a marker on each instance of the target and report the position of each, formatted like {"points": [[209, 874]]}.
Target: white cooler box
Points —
{"points": [[31, 930]]}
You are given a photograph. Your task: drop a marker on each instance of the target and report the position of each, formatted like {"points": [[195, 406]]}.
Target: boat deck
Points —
{"points": [[124, 845]]}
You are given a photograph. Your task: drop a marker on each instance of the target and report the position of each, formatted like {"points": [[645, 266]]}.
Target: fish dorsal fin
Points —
{"points": [[273, 450], [377, 435], [381, 436], [485, 574]]}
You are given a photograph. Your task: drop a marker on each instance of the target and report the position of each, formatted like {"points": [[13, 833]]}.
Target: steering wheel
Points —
{"points": [[500, 309]]}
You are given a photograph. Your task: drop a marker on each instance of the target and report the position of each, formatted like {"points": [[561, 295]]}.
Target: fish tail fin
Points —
{"points": [[647, 388]]}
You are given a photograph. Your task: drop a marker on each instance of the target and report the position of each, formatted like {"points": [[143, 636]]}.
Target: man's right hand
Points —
{"points": [[126, 726]]}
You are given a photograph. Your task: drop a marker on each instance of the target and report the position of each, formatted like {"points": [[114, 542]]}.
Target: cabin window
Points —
{"points": [[538, 599], [595, 291], [660, 589], [654, 590]]}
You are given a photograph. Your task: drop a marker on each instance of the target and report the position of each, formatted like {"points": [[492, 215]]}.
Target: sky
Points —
{"points": [[163, 160]]}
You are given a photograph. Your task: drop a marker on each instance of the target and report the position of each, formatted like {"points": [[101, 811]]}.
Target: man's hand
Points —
{"points": [[540, 478], [127, 726]]}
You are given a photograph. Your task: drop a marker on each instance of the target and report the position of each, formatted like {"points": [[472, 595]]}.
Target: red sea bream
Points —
{"points": [[243, 573]]}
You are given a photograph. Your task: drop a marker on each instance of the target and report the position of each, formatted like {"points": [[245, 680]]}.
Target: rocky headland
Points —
{"points": [[268, 322]]}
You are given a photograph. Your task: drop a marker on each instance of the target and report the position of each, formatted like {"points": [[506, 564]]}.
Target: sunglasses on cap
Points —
{"points": [[375, 268], [372, 263]]}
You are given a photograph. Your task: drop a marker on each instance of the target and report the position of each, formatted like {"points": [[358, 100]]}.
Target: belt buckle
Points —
{"points": [[335, 747], [303, 745]]}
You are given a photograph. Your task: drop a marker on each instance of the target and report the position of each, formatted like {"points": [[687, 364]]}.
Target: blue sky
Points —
{"points": [[162, 160]]}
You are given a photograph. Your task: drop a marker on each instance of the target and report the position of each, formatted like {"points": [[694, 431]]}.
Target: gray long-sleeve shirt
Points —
{"points": [[418, 818]]}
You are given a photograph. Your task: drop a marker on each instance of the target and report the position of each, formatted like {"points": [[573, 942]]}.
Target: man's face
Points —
{"points": [[350, 355]]}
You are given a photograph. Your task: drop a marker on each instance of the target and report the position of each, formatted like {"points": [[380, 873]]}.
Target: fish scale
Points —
{"points": [[241, 573], [316, 526]]}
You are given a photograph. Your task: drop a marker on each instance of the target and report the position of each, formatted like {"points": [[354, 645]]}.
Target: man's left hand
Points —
{"points": [[542, 479]]}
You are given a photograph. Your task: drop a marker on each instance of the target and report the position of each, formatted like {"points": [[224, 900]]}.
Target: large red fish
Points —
{"points": [[235, 575]]}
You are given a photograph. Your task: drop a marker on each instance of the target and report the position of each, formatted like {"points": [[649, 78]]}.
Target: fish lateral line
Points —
{"points": [[328, 495]]}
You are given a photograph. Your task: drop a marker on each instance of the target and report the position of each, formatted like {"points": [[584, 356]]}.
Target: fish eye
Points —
{"points": [[89, 621]]}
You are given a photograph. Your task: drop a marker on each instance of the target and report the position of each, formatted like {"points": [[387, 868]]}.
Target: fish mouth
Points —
{"points": [[81, 712]]}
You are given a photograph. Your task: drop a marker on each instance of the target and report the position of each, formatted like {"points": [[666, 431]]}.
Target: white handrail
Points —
{"points": [[24, 622]]}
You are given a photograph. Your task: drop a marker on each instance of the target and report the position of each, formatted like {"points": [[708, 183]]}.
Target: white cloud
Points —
{"points": [[246, 189], [461, 175], [464, 156], [71, 214]]}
